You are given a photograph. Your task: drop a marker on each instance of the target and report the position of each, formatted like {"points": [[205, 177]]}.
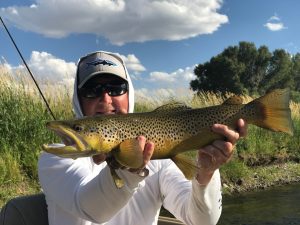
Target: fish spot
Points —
{"points": [[78, 127]]}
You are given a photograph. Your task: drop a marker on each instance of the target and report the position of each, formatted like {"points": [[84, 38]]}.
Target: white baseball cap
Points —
{"points": [[99, 63]]}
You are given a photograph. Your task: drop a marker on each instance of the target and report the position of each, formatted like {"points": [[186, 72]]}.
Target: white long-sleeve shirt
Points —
{"points": [[79, 192]]}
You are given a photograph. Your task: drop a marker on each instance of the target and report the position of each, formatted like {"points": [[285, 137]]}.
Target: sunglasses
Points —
{"points": [[98, 90]]}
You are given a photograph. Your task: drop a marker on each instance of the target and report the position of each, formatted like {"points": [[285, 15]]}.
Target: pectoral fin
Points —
{"points": [[129, 154], [187, 166]]}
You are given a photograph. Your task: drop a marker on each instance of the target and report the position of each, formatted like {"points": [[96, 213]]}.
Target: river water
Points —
{"points": [[279, 205]]}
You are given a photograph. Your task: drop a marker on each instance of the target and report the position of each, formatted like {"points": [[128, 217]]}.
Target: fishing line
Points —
{"points": [[11, 38]]}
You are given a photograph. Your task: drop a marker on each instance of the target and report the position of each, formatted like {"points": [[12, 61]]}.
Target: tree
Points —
{"points": [[296, 71], [279, 72], [220, 74], [258, 69], [244, 69]]}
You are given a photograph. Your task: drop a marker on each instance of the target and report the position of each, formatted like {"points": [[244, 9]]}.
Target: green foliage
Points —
{"points": [[296, 72], [262, 147], [295, 96], [22, 129], [10, 170], [278, 74], [244, 69], [234, 171]]}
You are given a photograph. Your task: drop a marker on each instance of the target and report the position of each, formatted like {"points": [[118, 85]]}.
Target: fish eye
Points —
{"points": [[78, 127]]}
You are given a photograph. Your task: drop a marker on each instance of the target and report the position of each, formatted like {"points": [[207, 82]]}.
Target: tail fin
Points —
{"points": [[276, 111]]}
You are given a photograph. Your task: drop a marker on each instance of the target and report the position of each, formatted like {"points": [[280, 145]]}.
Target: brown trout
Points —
{"points": [[174, 128]]}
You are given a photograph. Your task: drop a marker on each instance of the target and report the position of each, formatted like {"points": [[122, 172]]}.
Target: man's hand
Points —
{"points": [[146, 148], [211, 157]]}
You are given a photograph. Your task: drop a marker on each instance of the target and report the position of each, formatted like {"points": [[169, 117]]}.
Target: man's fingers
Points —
{"points": [[148, 151], [142, 142], [242, 127], [214, 155], [230, 135], [225, 147], [146, 148]]}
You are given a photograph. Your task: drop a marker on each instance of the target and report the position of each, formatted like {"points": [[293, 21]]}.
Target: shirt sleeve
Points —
{"points": [[83, 191], [187, 200]]}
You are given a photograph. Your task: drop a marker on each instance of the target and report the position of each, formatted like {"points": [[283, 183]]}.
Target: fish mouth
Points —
{"points": [[74, 145]]}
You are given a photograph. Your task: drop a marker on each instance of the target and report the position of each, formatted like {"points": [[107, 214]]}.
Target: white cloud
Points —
{"points": [[33, 6], [167, 86], [50, 70], [52, 74], [162, 77], [275, 17], [179, 77], [47, 67], [119, 21], [5, 68], [275, 24], [133, 63]]}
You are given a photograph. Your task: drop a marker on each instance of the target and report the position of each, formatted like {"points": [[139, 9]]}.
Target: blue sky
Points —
{"points": [[161, 41]]}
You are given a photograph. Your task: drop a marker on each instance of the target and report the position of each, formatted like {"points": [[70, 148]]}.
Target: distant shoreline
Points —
{"points": [[264, 177]]}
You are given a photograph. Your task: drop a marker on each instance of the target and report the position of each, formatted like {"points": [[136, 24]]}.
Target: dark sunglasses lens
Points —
{"points": [[87, 93], [111, 89], [116, 90]]}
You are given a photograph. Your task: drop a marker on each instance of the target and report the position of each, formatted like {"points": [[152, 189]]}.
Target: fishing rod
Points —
{"points": [[43, 97]]}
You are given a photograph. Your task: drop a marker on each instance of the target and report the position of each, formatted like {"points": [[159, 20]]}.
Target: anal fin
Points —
{"points": [[187, 166]]}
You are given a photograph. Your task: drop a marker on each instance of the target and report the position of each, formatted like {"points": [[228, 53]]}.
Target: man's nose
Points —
{"points": [[106, 98]]}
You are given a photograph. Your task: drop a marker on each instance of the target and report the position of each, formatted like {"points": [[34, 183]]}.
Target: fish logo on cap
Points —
{"points": [[99, 61]]}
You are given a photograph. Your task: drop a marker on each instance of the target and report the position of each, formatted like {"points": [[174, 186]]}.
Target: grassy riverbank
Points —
{"points": [[260, 177], [262, 159]]}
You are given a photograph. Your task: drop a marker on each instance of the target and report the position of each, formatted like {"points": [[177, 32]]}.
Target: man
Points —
{"points": [[83, 192]]}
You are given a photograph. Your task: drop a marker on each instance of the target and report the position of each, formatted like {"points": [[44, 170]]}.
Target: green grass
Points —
{"points": [[263, 159], [262, 147], [22, 130], [237, 177]]}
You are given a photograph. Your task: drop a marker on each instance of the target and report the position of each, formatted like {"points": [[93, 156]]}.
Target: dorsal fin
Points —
{"points": [[233, 100], [174, 106]]}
